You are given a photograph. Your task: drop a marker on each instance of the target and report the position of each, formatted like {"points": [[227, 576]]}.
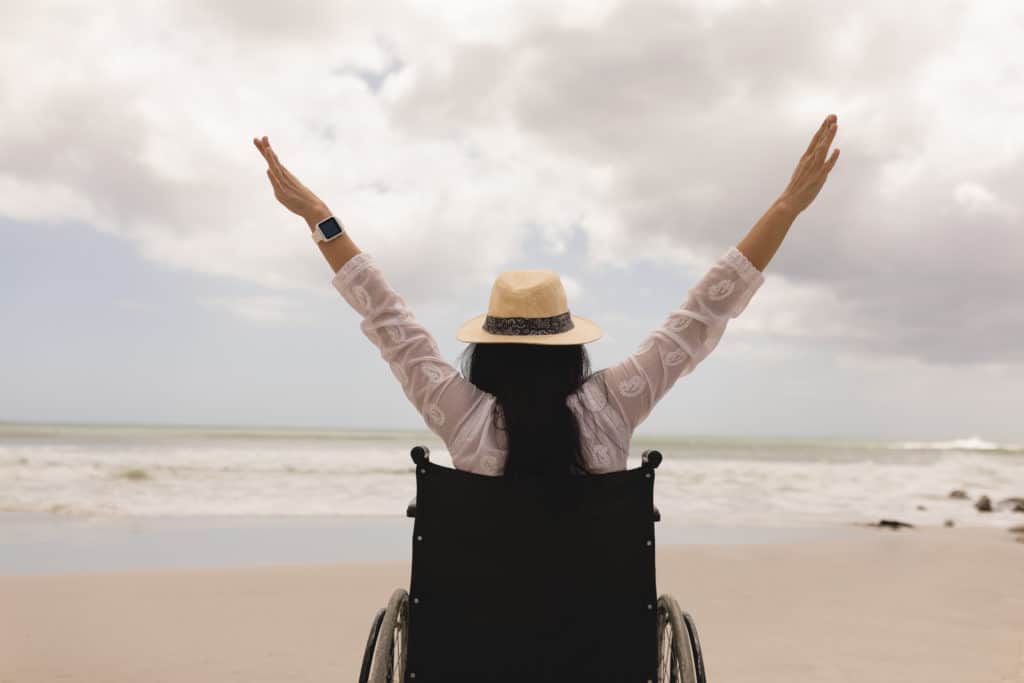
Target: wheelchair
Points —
{"points": [[527, 581]]}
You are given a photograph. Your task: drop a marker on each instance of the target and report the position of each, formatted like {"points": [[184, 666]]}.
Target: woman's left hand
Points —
{"points": [[295, 196]]}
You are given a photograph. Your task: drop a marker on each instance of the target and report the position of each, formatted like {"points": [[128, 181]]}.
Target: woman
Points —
{"points": [[526, 402]]}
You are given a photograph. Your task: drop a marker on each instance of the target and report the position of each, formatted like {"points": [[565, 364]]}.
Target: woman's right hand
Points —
{"points": [[813, 170]]}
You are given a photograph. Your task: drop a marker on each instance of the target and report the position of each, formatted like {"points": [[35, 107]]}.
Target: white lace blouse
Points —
{"points": [[460, 413]]}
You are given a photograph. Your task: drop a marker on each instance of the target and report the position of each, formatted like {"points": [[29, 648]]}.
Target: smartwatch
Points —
{"points": [[328, 229]]}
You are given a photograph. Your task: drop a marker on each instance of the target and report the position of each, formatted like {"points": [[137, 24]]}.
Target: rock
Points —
{"points": [[983, 504], [894, 524], [958, 493], [1019, 529], [948, 523], [921, 507], [1013, 504]]}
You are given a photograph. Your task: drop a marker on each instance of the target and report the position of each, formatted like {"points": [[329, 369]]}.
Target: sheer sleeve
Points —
{"points": [[685, 338], [435, 387]]}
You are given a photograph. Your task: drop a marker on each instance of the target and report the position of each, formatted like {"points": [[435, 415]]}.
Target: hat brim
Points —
{"points": [[583, 332]]}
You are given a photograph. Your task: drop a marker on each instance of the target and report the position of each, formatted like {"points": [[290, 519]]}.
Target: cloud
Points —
{"points": [[268, 308], [696, 120], [573, 289], [659, 131]]}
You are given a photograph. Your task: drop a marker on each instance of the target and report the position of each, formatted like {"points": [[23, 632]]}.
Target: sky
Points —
{"points": [[148, 275]]}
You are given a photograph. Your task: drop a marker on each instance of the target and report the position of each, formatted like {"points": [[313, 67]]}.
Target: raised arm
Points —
{"points": [[693, 330], [684, 338], [301, 201], [764, 239], [434, 387]]}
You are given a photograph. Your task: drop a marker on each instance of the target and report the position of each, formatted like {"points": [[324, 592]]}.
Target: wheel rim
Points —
{"points": [[389, 655], [676, 658], [669, 667], [398, 644], [664, 650]]}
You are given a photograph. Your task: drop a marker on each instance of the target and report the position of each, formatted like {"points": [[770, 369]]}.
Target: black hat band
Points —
{"points": [[554, 324]]}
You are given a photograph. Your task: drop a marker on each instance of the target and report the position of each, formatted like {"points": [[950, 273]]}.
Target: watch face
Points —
{"points": [[330, 228]]}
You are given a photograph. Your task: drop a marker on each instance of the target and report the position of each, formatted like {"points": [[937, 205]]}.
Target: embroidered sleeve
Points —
{"points": [[685, 338], [435, 387]]}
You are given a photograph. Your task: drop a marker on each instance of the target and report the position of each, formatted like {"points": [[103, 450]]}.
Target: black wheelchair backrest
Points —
{"points": [[530, 579]]}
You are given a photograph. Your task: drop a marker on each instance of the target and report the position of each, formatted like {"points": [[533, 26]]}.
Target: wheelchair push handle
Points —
{"points": [[651, 458], [420, 455]]}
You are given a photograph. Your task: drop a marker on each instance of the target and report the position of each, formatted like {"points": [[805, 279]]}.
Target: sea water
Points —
{"points": [[77, 498], [148, 471]]}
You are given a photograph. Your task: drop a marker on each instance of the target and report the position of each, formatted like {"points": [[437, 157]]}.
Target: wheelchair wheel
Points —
{"points": [[679, 655], [387, 662], [371, 644]]}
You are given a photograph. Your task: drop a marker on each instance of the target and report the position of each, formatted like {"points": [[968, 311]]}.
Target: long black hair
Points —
{"points": [[531, 383]]}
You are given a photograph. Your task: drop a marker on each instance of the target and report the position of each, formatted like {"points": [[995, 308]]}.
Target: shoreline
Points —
{"points": [[47, 544], [936, 605]]}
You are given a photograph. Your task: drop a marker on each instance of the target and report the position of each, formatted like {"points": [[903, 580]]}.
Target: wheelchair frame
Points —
{"points": [[679, 658]]}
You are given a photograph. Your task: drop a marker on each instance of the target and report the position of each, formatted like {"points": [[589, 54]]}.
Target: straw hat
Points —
{"points": [[529, 307]]}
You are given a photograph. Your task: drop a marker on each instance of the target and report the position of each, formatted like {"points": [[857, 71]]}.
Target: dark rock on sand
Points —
{"points": [[1014, 504], [894, 524], [983, 504], [921, 507], [958, 493], [1019, 529], [948, 523]]}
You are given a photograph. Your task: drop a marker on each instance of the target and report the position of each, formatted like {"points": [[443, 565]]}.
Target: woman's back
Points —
{"points": [[608, 406]]}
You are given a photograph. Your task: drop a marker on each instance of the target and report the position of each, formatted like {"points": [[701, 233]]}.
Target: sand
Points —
{"points": [[922, 606]]}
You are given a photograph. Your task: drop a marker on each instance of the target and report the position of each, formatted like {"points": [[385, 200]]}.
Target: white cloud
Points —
{"points": [[267, 308], [573, 289], [446, 136], [976, 198]]}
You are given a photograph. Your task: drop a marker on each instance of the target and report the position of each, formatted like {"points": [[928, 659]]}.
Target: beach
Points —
{"points": [[919, 605], [194, 554]]}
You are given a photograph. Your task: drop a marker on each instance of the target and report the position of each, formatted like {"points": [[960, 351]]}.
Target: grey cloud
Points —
{"points": [[698, 115], [374, 78], [82, 137], [267, 21], [696, 118]]}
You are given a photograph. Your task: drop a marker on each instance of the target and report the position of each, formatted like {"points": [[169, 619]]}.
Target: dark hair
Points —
{"points": [[531, 383]]}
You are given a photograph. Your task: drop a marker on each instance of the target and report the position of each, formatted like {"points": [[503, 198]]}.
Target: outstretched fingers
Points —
{"points": [[821, 149], [261, 145], [272, 174], [826, 128], [277, 171], [832, 160], [271, 156], [822, 129]]}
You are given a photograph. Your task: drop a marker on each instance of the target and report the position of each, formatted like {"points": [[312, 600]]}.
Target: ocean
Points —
{"points": [[130, 471]]}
